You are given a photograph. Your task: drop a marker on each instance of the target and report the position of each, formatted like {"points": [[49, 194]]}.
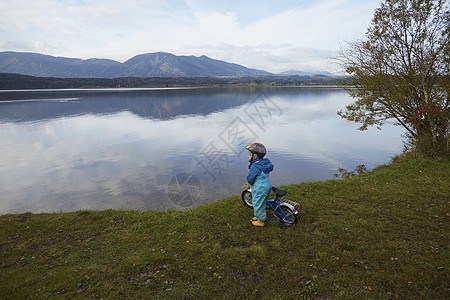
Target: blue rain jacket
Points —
{"points": [[258, 177], [258, 166]]}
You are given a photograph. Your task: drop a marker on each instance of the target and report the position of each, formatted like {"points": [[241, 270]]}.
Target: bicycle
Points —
{"points": [[283, 209]]}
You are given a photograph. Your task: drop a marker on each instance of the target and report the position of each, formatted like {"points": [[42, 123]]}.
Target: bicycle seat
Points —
{"points": [[279, 192]]}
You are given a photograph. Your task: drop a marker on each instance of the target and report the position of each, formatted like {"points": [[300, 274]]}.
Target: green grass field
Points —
{"points": [[383, 234]]}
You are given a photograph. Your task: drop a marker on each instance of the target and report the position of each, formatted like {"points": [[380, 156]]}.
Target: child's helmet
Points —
{"points": [[257, 148]]}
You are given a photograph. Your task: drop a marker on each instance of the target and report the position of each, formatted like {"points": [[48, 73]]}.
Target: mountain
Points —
{"points": [[168, 65], [306, 73], [158, 64], [35, 64]]}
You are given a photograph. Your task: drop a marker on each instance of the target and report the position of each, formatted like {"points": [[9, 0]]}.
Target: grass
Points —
{"points": [[383, 234]]}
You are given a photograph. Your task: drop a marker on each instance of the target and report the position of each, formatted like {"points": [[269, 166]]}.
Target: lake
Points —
{"points": [[67, 150]]}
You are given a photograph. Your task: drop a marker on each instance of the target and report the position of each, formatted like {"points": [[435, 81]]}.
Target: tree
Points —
{"points": [[401, 72]]}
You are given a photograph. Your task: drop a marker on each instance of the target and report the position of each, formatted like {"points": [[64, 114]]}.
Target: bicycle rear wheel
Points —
{"points": [[247, 198], [289, 216]]}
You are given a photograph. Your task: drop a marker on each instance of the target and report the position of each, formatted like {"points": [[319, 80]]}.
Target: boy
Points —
{"points": [[258, 177]]}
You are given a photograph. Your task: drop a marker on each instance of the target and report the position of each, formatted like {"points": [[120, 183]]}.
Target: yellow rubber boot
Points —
{"points": [[254, 219], [258, 223]]}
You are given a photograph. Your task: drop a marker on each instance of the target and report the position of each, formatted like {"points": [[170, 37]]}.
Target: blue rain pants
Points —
{"points": [[260, 193]]}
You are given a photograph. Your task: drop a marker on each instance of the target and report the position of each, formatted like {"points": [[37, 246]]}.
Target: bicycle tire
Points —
{"points": [[288, 212], [247, 198]]}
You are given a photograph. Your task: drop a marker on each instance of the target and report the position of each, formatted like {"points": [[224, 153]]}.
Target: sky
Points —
{"points": [[275, 36]]}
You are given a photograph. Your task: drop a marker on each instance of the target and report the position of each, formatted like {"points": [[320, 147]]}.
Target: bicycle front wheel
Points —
{"points": [[286, 214], [247, 198]]}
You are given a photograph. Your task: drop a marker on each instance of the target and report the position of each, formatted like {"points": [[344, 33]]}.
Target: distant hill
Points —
{"points": [[158, 64], [306, 73], [10, 81]]}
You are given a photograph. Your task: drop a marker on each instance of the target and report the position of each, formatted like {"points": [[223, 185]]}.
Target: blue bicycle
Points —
{"points": [[283, 209]]}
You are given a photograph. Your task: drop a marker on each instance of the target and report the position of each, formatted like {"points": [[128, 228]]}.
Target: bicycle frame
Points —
{"points": [[275, 204]]}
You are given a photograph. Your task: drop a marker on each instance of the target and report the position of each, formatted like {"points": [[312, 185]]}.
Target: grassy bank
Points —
{"points": [[384, 234]]}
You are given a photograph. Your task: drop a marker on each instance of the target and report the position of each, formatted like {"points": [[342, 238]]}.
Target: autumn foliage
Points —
{"points": [[401, 69]]}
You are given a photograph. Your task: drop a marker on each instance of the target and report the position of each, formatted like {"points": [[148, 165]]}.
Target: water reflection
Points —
{"points": [[22, 106], [156, 149]]}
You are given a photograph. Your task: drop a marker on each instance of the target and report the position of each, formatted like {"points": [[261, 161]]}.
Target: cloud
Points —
{"points": [[268, 57], [258, 34]]}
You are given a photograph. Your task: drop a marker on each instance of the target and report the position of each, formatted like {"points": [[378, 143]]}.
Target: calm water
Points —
{"points": [[66, 150]]}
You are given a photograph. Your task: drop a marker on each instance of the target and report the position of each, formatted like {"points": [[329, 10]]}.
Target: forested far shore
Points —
{"points": [[10, 81]]}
